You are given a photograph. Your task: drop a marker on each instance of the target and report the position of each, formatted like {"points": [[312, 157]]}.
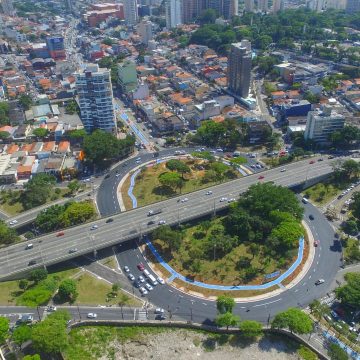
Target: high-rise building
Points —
{"points": [[249, 5], [8, 7], [278, 5], [321, 124], [145, 31], [230, 8], [190, 10], [127, 76], [94, 90], [316, 5], [130, 12], [239, 68], [69, 6], [55, 45], [263, 5], [352, 6], [336, 4], [173, 13]]}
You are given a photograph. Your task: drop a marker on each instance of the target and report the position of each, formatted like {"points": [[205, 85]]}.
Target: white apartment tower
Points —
{"points": [[145, 31], [94, 90], [8, 7], [321, 124], [130, 12], [249, 5], [263, 5], [278, 5], [173, 13]]}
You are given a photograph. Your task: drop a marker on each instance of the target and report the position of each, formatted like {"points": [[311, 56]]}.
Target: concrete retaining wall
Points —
{"points": [[195, 326]]}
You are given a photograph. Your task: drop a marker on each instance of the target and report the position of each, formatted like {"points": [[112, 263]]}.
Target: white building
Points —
{"points": [[130, 12], [321, 124], [93, 85], [145, 31], [173, 11]]}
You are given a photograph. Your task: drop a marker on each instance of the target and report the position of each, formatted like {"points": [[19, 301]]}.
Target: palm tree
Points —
{"points": [[318, 309]]}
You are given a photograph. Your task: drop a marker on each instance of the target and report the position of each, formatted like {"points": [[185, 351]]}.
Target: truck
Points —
{"points": [[154, 212]]}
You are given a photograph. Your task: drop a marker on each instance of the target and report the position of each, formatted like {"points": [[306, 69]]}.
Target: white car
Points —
{"points": [[141, 279], [149, 287], [319, 282], [223, 199], [162, 222], [94, 227], [159, 311], [184, 200], [91, 316], [126, 269], [131, 277], [208, 192], [282, 170], [160, 280], [231, 200], [143, 291], [13, 222]]}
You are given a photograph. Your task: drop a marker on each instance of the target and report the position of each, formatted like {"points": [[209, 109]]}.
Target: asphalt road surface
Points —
{"points": [[51, 249]]}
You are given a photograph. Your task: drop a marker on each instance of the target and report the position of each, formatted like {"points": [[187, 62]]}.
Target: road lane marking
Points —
{"points": [[170, 290], [309, 277], [204, 304], [270, 302], [314, 270]]}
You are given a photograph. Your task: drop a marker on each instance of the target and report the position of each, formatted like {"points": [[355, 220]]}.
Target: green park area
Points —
{"points": [[345, 173], [174, 177], [65, 286], [38, 191], [259, 235]]}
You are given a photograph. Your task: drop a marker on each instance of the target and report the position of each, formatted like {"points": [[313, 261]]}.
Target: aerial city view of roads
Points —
{"points": [[180, 179]]}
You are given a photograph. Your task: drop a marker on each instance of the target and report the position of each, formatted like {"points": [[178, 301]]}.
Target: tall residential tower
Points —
{"points": [[173, 12], [130, 12], [93, 86], [239, 68]]}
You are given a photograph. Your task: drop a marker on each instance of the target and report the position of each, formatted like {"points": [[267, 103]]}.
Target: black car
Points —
{"points": [[109, 220], [311, 217], [160, 317], [137, 284], [32, 262], [151, 222]]}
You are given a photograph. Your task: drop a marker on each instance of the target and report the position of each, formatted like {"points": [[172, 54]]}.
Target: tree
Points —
{"points": [[23, 284], [50, 335], [227, 319], [38, 275], [286, 234], [208, 16], [77, 134], [37, 190], [107, 41], [336, 352], [4, 329], [178, 165], [32, 357], [4, 113], [350, 227], [74, 186], [293, 319], [350, 293], [115, 288], [49, 219], [21, 334], [170, 237], [250, 328], [101, 146], [225, 304], [4, 134], [355, 206], [7, 235], [77, 213], [25, 101], [171, 179], [40, 132], [72, 108], [318, 309], [67, 291]]}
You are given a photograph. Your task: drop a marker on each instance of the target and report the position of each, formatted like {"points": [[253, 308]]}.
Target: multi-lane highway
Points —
{"points": [[50, 249]]}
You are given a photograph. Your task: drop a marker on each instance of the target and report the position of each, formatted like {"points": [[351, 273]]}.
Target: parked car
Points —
{"points": [[143, 291], [141, 279], [140, 266], [148, 287], [160, 280], [126, 269], [131, 277]]}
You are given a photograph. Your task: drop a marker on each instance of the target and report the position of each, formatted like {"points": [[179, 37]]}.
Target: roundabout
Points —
{"points": [[190, 306]]}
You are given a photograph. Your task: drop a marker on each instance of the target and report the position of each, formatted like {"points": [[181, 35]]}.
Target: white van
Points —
{"points": [[146, 273]]}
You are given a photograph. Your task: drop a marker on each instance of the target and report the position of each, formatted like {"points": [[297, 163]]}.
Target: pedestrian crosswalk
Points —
{"points": [[142, 316]]}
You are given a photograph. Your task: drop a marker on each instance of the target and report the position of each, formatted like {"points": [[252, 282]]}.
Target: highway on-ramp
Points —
{"points": [[51, 249]]}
